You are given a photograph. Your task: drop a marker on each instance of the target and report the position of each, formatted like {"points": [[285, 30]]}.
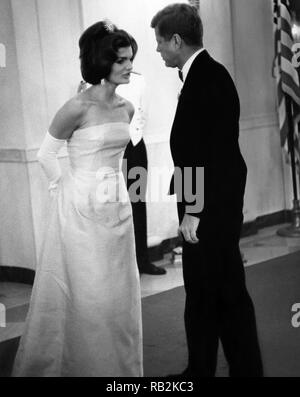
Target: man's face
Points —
{"points": [[167, 49]]}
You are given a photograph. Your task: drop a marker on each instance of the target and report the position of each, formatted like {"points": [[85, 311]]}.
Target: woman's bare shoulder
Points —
{"points": [[68, 118]]}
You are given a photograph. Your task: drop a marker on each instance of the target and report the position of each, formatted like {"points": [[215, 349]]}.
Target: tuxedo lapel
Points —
{"points": [[196, 73], [197, 69]]}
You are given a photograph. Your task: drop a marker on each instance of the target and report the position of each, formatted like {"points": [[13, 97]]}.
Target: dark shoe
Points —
{"points": [[153, 270]]}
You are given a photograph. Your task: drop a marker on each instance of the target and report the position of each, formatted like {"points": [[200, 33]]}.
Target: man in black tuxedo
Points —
{"points": [[205, 134]]}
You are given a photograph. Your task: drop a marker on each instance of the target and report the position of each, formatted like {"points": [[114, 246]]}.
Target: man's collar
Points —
{"points": [[186, 67]]}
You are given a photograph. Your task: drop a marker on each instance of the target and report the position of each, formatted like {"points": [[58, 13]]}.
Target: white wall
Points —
{"points": [[260, 143], [42, 72]]}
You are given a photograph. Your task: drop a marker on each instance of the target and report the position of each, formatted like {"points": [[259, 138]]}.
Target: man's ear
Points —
{"points": [[177, 40]]}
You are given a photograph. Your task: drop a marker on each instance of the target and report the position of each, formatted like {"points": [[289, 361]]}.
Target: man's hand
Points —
{"points": [[188, 228]]}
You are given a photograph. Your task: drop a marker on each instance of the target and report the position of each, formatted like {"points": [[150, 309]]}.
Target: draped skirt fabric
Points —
{"points": [[85, 312]]}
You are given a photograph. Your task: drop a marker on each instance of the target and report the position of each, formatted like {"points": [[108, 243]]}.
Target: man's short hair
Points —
{"points": [[182, 19]]}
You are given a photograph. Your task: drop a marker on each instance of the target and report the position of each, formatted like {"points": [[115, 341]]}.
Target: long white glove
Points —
{"points": [[47, 157]]}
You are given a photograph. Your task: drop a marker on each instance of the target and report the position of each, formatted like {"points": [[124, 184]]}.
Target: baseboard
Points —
{"points": [[156, 253], [263, 221], [249, 229], [16, 275]]}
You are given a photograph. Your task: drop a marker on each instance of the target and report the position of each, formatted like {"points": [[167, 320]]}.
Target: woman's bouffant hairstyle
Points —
{"points": [[99, 45], [182, 19]]}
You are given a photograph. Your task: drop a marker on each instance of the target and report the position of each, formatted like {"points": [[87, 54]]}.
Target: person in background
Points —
{"points": [[136, 156]]}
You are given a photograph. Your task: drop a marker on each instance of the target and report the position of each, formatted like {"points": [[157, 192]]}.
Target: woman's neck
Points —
{"points": [[105, 91]]}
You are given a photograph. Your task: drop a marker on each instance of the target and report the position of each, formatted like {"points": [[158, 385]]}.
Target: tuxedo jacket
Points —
{"points": [[205, 133]]}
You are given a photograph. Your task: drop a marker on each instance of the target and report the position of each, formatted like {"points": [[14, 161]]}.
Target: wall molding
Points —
{"points": [[263, 221], [24, 155], [13, 156], [257, 122]]}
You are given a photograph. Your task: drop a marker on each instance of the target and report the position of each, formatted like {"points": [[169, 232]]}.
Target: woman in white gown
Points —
{"points": [[85, 312]]}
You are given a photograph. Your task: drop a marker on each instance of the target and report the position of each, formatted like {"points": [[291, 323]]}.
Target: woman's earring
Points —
{"points": [[82, 86]]}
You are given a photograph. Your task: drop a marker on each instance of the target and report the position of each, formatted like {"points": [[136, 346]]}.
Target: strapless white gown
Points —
{"points": [[85, 312]]}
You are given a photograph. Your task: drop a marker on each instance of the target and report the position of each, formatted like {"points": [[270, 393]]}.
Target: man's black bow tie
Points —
{"points": [[180, 74]]}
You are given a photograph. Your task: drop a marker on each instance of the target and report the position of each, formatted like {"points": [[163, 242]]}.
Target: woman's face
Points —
{"points": [[120, 71]]}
